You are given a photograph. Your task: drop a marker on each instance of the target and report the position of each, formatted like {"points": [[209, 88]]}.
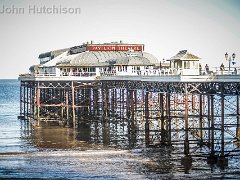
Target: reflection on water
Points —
{"points": [[60, 138], [89, 152], [86, 136], [108, 153]]}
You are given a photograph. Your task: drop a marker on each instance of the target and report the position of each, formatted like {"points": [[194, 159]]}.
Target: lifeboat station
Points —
{"points": [[171, 102]]}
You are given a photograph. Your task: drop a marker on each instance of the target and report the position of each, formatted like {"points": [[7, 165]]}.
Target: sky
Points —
{"points": [[206, 28]]}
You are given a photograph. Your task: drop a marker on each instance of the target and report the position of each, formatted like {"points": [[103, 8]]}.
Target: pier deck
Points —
{"points": [[155, 78]]}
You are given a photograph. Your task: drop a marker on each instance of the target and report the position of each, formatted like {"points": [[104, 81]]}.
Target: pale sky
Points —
{"points": [[207, 28]]}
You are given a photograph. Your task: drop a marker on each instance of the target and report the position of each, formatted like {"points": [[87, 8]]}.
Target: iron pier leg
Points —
{"points": [[123, 103], [201, 119], [212, 159], [132, 107], [222, 160], [97, 99], [73, 106], [128, 99], [131, 125], [38, 105], [116, 100], [176, 110], [186, 161], [62, 105], [24, 100], [147, 141], [35, 102], [186, 143], [67, 107], [159, 112], [31, 100], [103, 102], [107, 102], [150, 104], [209, 120], [212, 125], [105, 131], [238, 119], [168, 108], [95, 96], [162, 119], [21, 99], [27, 100], [112, 100], [135, 107], [142, 105]]}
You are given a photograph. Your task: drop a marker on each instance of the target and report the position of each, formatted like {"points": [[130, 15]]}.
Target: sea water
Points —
{"points": [[28, 152]]}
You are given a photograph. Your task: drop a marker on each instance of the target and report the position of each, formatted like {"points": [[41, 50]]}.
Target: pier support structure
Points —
{"points": [[192, 114]]}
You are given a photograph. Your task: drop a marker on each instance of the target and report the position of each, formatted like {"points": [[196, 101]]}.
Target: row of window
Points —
{"points": [[90, 69], [186, 65], [93, 69]]}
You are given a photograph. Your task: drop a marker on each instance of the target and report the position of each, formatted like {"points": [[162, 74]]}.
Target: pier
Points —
{"points": [[161, 105]]}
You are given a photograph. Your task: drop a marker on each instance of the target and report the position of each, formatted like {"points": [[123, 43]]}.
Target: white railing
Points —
{"points": [[158, 72], [45, 75], [79, 74], [82, 74], [147, 72], [226, 71], [108, 73]]}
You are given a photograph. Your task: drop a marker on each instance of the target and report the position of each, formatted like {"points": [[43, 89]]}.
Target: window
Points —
{"points": [[186, 64], [180, 64], [92, 69]]}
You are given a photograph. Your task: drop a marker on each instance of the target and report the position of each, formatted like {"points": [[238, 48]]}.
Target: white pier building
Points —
{"points": [[113, 61]]}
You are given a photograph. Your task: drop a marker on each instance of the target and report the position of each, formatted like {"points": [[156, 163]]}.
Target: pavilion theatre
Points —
{"points": [[91, 59]]}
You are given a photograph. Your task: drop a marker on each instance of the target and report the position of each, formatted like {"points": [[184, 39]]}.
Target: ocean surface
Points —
{"points": [[64, 153]]}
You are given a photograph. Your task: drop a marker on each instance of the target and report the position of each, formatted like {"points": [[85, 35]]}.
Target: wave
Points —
{"points": [[68, 153]]}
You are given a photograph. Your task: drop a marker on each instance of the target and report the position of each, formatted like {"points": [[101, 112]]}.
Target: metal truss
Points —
{"points": [[199, 117]]}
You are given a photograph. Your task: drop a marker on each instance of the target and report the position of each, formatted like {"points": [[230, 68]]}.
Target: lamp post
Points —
{"points": [[233, 57], [230, 60]]}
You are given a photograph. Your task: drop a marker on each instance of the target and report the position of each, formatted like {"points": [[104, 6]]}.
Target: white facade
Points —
{"points": [[185, 63]]}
